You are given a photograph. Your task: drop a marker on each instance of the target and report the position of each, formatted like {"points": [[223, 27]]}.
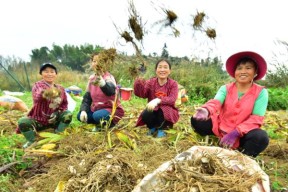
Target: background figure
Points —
{"points": [[97, 103], [236, 113], [49, 106], [161, 92]]}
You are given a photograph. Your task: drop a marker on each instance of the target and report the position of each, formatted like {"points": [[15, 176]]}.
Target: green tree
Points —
{"points": [[165, 53], [40, 55]]}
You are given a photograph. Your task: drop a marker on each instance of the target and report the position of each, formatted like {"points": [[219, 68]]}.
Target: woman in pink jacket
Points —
{"points": [[236, 113], [99, 99], [161, 91]]}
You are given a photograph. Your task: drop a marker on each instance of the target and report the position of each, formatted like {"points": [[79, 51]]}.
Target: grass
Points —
{"points": [[11, 151]]}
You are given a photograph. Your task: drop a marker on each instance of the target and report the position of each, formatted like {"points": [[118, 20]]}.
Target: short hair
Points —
{"points": [[246, 60]]}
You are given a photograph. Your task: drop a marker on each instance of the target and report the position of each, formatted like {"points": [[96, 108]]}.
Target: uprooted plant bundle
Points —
{"points": [[51, 93], [198, 21], [208, 172], [135, 22], [169, 21], [211, 33], [171, 18], [105, 60]]}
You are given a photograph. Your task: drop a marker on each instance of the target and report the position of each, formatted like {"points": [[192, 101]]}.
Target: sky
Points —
{"points": [[241, 25]]}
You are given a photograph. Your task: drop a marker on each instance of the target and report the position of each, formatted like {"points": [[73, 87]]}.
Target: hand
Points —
{"points": [[51, 93], [99, 81], [229, 139], [141, 80], [83, 116], [53, 117], [201, 114], [152, 104]]}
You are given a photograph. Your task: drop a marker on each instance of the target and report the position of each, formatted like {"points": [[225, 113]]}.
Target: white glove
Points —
{"points": [[53, 118], [99, 81], [152, 104], [83, 116], [201, 114]]}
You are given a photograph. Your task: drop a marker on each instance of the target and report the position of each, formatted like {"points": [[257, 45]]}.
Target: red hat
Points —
{"points": [[259, 60]]}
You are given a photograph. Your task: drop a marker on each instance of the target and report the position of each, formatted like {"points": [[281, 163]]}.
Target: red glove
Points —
{"points": [[229, 139]]}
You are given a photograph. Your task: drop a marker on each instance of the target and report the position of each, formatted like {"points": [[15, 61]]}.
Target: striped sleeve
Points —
{"points": [[140, 88]]}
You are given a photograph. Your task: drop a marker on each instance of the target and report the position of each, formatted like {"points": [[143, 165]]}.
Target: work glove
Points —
{"points": [[152, 104], [201, 114], [51, 93], [55, 103], [99, 81], [53, 117], [229, 139], [83, 116]]}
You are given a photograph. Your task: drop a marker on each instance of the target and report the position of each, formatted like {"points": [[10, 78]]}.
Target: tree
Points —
{"points": [[165, 53], [40, 55]]}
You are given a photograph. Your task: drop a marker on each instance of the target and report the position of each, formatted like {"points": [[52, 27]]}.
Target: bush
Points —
{"points": [[201, 93], [278, 78], [278, 99]]}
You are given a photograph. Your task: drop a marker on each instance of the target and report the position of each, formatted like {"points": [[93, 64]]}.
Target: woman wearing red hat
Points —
{"points": [[236, 113]]}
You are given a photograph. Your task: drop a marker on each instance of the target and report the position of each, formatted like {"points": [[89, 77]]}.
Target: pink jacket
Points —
{"points": [[102, 101], [235, 113]]}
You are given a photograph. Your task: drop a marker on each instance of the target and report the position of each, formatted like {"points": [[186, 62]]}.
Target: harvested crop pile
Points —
{"points": [[207, 173], [90, 165]]}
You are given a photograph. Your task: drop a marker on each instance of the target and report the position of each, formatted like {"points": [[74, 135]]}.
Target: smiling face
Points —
{"points": [[245, 72], [163, 70], [49, 75]]}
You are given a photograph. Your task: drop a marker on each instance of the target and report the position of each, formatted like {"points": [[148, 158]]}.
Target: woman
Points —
{"points": [[236, 113], [49, 106], [98, 102], [161, 92]]}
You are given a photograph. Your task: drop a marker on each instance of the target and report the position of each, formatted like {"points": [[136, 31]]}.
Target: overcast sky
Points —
{"points": [[241, 25]]}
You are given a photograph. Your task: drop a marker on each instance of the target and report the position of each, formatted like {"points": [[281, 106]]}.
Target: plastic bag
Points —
{"points": [[151, 181], [71, 102], [13, 103]]}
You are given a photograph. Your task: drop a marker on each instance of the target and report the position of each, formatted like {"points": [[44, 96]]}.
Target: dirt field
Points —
{"points": [[105, 161]]}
